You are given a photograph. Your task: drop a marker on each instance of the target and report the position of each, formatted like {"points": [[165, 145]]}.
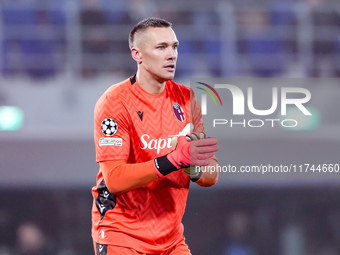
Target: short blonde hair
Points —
{"points": [[144, 24]]}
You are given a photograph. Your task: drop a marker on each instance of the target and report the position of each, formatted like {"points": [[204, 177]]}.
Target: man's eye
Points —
{"points": [[161, 47]]}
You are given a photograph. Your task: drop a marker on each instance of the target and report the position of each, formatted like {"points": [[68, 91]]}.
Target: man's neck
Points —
{"points": [[150, 84]]}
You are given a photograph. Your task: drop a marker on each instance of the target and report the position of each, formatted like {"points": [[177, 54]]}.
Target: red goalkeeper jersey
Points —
{"points": [[136, 126]]}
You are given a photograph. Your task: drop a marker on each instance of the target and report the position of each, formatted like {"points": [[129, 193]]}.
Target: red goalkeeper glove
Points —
{"points": [[194, 171], [186, 153]]}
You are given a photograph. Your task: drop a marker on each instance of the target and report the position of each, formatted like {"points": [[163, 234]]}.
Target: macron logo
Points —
{"points": [[140, 115]]}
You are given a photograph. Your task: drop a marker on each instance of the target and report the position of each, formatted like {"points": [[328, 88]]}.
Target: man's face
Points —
{"points": [[158, 49]]}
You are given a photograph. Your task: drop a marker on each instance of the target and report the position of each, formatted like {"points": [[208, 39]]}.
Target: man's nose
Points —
{"points": [[172, 54]]}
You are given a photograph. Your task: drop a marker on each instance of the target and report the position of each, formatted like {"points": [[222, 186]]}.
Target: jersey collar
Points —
{"points": [[133, 79]]}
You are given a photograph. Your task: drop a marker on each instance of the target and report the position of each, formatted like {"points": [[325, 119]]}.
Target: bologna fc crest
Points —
{"points": [[109, 127], [178, 111]]}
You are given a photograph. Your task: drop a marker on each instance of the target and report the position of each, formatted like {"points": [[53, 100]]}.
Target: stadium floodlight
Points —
{"points": [[11, 118]]}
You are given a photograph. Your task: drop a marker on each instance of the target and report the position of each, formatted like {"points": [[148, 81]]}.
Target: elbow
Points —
{"points": [[112, 189], [112, 178], [115, 187], [111, 183]]}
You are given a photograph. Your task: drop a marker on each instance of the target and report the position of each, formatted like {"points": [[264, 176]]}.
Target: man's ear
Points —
{"points": [[136, 55]]}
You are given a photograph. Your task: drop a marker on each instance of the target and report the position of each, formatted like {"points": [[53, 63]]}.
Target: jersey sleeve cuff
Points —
{"points": [[163, 166]]}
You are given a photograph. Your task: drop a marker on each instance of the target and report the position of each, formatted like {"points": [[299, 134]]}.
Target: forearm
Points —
{"points": [[121, 177], [210, 174]]}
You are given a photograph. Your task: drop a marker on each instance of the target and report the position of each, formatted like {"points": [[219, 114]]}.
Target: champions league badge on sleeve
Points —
{"points": [[178, 111], [109, 127]]}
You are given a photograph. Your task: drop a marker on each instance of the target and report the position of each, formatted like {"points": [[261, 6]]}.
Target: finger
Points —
{"points": [[174, 142], [204, 156], [203, 135], [204, 149], [205, 142], [194, 136]]}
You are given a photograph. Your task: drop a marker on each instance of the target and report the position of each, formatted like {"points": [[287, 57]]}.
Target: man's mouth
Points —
{"points": [[170, 67]]}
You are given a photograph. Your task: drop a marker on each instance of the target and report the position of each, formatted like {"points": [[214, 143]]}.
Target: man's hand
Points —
{"points": [[193, 171], [197, 152]]}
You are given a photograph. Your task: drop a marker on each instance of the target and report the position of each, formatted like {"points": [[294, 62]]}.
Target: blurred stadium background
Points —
{"points": [[58, 57]]}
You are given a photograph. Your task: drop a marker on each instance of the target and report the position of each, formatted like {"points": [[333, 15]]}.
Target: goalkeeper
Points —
{"points": [[144, 154]]}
